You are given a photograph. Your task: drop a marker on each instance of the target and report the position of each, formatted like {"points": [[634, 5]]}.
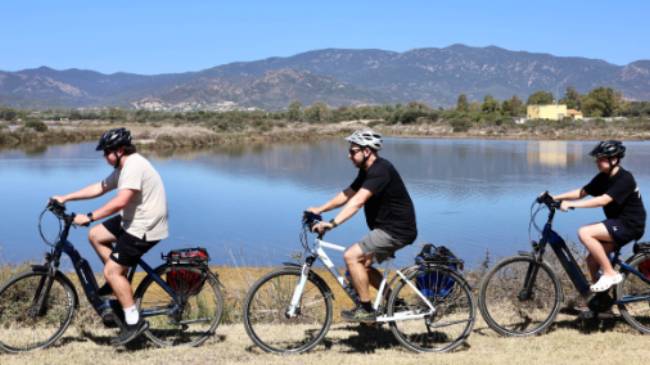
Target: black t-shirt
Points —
{"points": [[390, 207], [626, 204]]}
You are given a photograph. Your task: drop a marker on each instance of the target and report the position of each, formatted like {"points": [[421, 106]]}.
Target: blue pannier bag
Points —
{"points": [[431, 282]]}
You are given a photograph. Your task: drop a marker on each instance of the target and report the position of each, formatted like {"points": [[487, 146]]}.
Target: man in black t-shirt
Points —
{"points": [[614, 189], [389, 214]]}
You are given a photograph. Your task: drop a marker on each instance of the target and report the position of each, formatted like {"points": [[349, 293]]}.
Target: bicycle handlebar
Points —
{"points": [[546, 199]]}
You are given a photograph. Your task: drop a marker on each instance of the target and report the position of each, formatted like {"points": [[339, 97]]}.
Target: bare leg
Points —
{"points": [[356, 261], [101, 239], [599, 243], [116, 276]]}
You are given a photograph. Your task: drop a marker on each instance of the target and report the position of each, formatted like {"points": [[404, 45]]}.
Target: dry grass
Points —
{"points": [[567, 343], [569, 340]]}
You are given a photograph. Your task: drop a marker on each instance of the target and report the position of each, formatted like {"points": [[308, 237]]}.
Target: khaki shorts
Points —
{"points": [[380, 244]]}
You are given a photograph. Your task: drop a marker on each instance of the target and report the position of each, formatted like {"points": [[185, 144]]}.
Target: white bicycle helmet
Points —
{"points": [[366, 138]]}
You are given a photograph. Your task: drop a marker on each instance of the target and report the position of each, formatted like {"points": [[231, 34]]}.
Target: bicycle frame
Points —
{"points": [[87, 278], [568, 262], [318, 252]]}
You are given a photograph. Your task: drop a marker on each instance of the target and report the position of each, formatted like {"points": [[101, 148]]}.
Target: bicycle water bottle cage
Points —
{"points": [[431, 282]]}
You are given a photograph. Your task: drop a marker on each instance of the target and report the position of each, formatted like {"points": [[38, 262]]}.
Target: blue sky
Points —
{"points": [[151, 37]]}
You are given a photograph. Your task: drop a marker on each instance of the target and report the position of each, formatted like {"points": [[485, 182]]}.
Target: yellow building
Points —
{"points": [[575, 114], [552, 112]]}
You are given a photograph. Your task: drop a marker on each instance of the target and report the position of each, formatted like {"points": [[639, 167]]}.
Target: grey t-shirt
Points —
{"points": [[146, 213]]}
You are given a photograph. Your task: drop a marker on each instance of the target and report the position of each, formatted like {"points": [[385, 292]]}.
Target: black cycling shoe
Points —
{"points": [[105, 290], [130, 333], [359, 314]]}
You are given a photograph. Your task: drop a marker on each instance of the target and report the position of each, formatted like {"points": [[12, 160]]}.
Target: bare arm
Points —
{"points": [[89, 192], [571, 195], [599, 201], [111, 207], [340, 199], [114, 205], [353, 205]]}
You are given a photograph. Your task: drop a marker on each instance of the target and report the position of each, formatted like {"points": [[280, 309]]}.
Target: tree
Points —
{"points": [[571, 98], [602, 102], [540, 98], [295, 111], [513, 107], [462, 105], [490, 104], [317, 112], [8, 114]]}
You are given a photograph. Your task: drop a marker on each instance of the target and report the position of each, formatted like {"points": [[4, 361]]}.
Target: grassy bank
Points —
{"points": [[166, 135]]}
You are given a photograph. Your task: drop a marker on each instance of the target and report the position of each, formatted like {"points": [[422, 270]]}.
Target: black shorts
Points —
{"points": [[621, 234], [128, 248]]}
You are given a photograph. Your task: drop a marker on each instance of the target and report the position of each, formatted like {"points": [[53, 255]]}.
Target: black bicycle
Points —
{"points": [[181, 298], [522, 294]]}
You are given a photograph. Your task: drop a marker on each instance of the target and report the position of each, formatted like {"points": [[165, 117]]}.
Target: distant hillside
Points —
{"points": [[337, 77]]}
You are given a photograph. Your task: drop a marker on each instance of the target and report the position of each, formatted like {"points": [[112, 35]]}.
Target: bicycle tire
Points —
{"points": [[457, 304], [167, 330], [637, 314], [279, 325], [16, 311], [502, 310]]}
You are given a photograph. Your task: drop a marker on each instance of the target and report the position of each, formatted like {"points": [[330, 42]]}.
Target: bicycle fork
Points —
{"points": [[294, 305], [39, 302]]}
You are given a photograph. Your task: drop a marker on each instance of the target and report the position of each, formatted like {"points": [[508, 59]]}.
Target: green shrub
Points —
{"points": [[36, 125]]}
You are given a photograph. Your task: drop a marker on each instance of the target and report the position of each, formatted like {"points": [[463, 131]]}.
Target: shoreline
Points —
{"points": [[169, 136]]}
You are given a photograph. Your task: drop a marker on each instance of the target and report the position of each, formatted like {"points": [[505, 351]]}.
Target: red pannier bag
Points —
{"points": [[188, 270]]}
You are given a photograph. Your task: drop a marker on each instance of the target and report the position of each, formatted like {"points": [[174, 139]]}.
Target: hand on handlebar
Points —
{"points": [[314, 210], [58, 198], [566, 205], [81, 220], [322, 227]]}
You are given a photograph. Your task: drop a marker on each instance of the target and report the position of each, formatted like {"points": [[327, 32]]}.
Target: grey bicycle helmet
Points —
{"points": [[114, 138], [366, 138], [608, 149]]}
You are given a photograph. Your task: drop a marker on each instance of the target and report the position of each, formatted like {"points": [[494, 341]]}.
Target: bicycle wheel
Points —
{"points": [[633, 296], [199, 311], [508, 309], [23, 325], [265, 312], [455, 310]]}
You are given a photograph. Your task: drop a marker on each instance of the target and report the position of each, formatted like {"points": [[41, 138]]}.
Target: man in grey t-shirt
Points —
{"points": [[142, 221]]}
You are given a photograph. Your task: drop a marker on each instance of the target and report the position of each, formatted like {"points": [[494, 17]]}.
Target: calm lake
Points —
{"points": [[245, 204]]}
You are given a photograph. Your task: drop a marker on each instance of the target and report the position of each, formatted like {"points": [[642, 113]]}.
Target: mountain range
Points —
{"points": [[337, 77]]}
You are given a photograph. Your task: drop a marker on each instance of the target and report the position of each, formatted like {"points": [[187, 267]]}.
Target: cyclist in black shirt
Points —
{"points": [[614, 189], [389, 212]]}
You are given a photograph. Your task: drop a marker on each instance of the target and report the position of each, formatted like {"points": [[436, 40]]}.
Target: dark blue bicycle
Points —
{"points": [[521, 295], [181, 298]]}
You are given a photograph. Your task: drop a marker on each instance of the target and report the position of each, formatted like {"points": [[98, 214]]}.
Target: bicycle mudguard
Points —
{"points": [[59, 274], [312, 275], [641, 247]]}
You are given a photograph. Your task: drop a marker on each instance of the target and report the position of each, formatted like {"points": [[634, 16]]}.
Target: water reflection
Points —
{"points": [[244, 203], [554, 153]]}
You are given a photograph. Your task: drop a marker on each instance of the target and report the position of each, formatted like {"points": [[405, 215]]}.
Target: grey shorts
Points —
{"points": [[380, 244]]}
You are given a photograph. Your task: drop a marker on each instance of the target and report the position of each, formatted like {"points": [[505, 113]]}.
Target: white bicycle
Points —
{"points": [[429, 306]]}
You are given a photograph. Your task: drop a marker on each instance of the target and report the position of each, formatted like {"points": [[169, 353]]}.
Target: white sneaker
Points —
{"points": [[606, 282]]}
